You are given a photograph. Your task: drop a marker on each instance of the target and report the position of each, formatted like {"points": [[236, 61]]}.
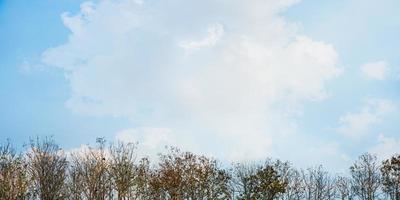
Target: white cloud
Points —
{"points": [[149, 137], [306, 151], [386, 147], [215, 32], [151, 140], [338, 161], [79, 151], [371, 113], [375, 70], [130, 59], [85, 150]]}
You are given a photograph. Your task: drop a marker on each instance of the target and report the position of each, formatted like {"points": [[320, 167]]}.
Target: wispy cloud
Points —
{"points": [[215, 32], [386, 147], [371, 113], [375, 70]]}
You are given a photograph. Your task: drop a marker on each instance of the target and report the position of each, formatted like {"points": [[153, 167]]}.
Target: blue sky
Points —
{"points": [[309, 81]]}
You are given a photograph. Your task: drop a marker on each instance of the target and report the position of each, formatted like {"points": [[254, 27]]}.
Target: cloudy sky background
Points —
{"points": [[314, 82]]}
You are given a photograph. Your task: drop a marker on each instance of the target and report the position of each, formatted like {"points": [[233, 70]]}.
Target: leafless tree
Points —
{"points": [[295, 185], [47, 168], [343, 187], [366, 179], [318, 184]]}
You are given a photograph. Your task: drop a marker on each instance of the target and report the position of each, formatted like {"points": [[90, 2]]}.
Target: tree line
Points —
{"points": [[114, 171]]}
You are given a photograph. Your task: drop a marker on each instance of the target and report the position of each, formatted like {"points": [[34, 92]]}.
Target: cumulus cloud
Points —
{"points": [[246, 67], [375, 70], [371, 113]]}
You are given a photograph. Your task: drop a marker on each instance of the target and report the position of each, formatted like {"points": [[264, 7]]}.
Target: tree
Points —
{"points": [[240, 183], [265, 184], [14, 182], [295, 185], [183, 175], [145, 174], [47, 168], [123, 170], [391, 177], [89, 173], [366, 179], [343, 186], [318, 184], [44, 172], [258, 181]]}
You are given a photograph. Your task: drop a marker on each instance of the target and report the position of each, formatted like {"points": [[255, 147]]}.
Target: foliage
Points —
{"points": [[183, 175], [391, 177], [254, 181], [44, 171]]}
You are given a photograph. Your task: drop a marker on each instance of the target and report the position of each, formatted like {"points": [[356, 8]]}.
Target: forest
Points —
{"points": [[43, 170]]}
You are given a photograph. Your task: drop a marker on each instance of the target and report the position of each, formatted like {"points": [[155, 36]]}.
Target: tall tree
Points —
{"points": [[318, 184], [366, 179], [240, 183], [91, 173], [391, 177], [144, 178], [183, 175], [14, 182], [343, 186], [295, 185], [252, 181], [123, 170], [47, 168]]}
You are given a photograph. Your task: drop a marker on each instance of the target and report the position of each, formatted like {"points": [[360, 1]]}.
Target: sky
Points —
{"points": [[313, 82]]}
